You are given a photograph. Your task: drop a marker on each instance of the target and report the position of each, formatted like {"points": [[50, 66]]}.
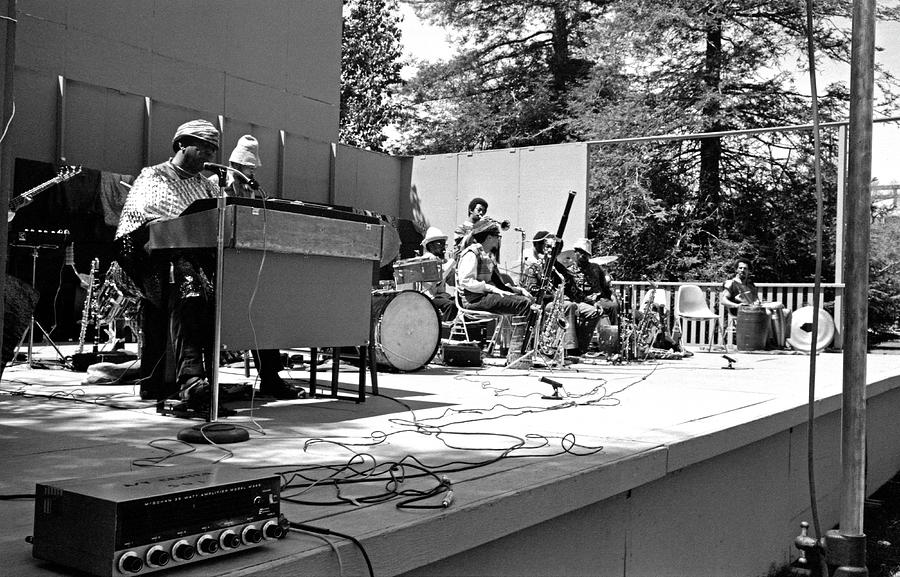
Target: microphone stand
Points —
{"points": [[212, 432]]}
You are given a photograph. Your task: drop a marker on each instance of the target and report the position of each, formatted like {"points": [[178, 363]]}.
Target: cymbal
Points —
{"points": [[602, 260]]}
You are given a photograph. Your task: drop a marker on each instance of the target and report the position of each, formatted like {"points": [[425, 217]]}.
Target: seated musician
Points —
{"points": [[435, 247], [479, 279], [176, 286], [580, 317], [594, 285], [245, 159], [739, 290]]}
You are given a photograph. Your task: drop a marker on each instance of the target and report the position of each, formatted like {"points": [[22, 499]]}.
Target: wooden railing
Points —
{"points": [[718, 333]]}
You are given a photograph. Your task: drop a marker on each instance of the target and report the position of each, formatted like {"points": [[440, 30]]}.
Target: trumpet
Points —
{"points": [[504, 225]]}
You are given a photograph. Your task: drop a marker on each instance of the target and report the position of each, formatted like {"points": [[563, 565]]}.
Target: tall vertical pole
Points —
{"points": [[856, 268], [7, 95], [839, 231]]}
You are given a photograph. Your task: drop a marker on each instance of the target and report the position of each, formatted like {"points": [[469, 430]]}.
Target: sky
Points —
{"points": [[426, 42]]}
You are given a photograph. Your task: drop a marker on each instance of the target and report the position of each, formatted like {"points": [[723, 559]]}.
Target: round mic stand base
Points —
{"points": [[215, 433]]}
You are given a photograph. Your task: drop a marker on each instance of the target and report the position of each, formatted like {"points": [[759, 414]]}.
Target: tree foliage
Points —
{"points": [[508, 83], [370, 72]]}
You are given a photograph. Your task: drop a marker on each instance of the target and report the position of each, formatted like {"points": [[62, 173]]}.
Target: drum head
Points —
{"points": [[801, 330], [408, 332]]}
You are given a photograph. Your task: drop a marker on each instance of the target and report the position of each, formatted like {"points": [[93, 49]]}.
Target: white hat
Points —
{"points": [[432, 234], [246, 152], [583, 244]]}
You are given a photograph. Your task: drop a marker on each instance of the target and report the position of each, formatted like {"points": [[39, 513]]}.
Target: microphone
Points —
{"points": [[519, 229], [217, 167]]}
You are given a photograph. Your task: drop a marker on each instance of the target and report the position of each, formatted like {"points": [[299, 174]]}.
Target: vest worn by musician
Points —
{"points": [[484, 271]]}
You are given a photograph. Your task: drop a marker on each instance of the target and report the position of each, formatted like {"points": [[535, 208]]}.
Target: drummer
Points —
{"points": [[739, 290], [434, 246]]}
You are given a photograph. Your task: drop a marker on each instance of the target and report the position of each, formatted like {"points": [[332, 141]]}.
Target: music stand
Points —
{"points": [[35, 250]]}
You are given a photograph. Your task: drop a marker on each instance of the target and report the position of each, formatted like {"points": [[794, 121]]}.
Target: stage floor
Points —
{"points": [[488, 430]]}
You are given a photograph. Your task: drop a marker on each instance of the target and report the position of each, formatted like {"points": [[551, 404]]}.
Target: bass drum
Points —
{"points": [[407, 329]]}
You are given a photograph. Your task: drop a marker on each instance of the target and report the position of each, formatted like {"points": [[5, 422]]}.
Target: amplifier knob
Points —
{"points": [[251, 534], [207, 545], [229, 540], [130, 563], [183, 551], [273, 530], [157, 557]]}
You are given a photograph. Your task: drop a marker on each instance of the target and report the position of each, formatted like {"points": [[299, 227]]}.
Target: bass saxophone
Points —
{"points": [[553, 324]]}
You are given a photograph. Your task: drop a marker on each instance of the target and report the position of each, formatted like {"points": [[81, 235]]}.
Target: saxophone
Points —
{"points": [[648, 326], [553, 323]]}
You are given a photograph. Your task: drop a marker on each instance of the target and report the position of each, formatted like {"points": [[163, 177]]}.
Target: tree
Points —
{"points": [[370, 72], [507, 84]]}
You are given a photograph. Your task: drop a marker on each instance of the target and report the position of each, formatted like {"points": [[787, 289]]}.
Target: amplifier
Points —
{"points": [[145, 521], [461, 354], [30, 237]]}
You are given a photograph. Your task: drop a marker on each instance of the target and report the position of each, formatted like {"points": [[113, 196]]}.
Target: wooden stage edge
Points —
{"points": [[663, 468]]}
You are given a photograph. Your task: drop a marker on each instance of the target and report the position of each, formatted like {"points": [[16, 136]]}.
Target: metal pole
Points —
{"points": [[7, 105], [856, 271]]}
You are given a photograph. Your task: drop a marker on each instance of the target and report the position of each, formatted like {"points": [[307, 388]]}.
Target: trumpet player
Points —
{"points": [[476, 211], [572, 313]]}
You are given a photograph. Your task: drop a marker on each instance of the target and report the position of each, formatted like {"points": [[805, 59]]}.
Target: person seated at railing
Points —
{"points": [[479, 278], [739, 290], [435, 246]]}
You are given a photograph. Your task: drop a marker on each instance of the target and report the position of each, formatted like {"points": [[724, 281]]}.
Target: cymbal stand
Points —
{"points": [[35, 248]]}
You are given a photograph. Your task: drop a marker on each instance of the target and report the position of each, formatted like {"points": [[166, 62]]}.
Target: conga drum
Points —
{"points": [[777, 323], [406, 328], [752, 327]]}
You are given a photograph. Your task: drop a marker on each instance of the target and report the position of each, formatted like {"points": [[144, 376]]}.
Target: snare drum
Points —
{"points": [[418, 269], [406, 329]]}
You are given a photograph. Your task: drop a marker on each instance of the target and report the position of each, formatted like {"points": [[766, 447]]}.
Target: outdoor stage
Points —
{"points": [[669, 467]]}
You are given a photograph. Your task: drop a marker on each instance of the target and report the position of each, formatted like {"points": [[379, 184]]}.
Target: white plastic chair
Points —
{"points": [[690, 304]]}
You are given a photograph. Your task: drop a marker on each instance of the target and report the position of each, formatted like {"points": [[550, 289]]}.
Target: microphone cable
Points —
{"points": [[324, 531]]}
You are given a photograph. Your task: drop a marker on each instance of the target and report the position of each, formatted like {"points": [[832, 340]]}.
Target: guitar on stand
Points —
{"points": [[36, 240], [24, 199]]}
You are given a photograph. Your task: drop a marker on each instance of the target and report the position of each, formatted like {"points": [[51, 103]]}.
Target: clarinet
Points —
{"points": [[546, 284], [88, 303]]}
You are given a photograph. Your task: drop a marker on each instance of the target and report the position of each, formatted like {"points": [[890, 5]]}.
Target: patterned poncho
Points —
{"points": [[159, 193]]}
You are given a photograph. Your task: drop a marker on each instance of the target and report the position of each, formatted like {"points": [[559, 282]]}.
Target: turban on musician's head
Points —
{"points": [[199, 129], [475, 202], [246, 152]]}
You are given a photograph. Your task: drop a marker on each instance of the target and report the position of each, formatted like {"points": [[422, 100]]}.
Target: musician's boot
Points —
{"points": [[275, 386]]}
